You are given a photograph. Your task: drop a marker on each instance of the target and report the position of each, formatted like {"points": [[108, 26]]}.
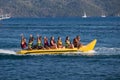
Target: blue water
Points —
{"points": [[104, 65]]}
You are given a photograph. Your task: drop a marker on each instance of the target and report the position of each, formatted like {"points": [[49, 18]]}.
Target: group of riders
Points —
{"points": [[49, 45]]}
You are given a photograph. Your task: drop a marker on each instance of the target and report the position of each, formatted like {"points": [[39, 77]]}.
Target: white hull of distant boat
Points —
{"points": [[6, 16], [84, 16], [103, 15]]}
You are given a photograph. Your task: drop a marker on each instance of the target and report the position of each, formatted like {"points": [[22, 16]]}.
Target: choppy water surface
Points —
{"points": [[103, 65]]}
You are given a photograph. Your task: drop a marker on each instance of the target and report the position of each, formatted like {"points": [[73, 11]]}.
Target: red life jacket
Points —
{"points": [[51, 43], [23, 46]]}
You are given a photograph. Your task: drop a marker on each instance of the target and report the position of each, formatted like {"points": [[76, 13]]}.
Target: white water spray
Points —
{"points": [[5, 51], [107, 51]]}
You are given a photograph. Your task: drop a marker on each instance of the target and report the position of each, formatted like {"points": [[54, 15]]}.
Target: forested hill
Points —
{"points": [[59, 8]]}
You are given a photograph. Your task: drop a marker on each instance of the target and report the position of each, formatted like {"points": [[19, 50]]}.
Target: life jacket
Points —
{"points": [[67, 43], [39, 43], [46, 43], [51, 43], [59, 42], [24, 45], [30, 44], [75, 42]]}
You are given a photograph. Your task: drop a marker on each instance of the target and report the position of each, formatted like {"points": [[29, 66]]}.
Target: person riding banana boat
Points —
{"points": [[30, 43], [68, 43], [76, 42], [53, 44], [46, 44], [39, 43], [59, 43], [23, 42]]}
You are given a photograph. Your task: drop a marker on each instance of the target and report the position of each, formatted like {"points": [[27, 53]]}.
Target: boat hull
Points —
{"points": [[85, 48]]}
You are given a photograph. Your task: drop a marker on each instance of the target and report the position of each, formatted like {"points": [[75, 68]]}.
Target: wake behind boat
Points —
{"points": [[86, 48]]}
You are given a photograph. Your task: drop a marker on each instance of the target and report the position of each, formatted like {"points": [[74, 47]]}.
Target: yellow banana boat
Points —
{"points": [[86, 48]]}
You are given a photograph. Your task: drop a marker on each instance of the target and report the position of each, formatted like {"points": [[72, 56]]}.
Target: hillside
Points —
{"points": [[59, 8]]}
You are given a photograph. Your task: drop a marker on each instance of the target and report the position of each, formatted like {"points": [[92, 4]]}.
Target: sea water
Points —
{"points": [[103, 65]]}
